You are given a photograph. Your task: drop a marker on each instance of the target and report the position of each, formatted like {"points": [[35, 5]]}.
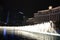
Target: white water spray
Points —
{"points": [[43, 27], [34, 31]]}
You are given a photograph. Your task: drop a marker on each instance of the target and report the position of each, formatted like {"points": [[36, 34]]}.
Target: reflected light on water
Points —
{"points": [[33, 31], [4, 32]]}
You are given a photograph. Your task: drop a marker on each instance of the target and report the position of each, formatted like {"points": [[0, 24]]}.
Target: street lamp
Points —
{"points": [[50, 7]]}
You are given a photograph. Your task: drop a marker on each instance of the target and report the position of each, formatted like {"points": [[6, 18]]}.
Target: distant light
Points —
{"points": [[50, 7], [21, 12]]}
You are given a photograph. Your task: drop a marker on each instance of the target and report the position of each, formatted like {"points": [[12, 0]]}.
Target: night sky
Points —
{"points": [[28, 7]]}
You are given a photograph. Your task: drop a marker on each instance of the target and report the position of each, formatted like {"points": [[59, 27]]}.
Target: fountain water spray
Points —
{"points": [[33, 31]]}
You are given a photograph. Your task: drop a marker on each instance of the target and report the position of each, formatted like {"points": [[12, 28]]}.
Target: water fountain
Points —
{"points": [[43, 31]]}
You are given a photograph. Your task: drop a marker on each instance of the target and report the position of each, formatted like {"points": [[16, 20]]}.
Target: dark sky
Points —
{"points": [[28, 7]]}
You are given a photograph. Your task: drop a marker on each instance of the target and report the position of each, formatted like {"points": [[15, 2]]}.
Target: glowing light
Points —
{"points": [[50, 7], [43, 27], [33, 31], [4, 32], [21, 12]]}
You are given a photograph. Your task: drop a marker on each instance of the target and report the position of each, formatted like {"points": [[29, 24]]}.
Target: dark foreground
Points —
{"points": [[13, 37]]}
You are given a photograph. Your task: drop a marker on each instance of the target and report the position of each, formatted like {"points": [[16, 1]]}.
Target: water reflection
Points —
{"points": [[4, 32], [31, 32]]}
